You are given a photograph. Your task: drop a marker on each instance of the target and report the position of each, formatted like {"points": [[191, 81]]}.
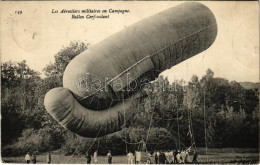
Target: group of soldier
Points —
{"points": [[173, 157], [32, 158], [163, 157], [95, 156], [157, 157]]}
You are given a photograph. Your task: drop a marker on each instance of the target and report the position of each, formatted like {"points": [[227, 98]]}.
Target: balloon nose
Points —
{"points": [[53, 98]]}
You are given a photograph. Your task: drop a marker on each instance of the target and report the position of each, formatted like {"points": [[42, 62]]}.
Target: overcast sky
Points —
{"points": [[37, 34]]}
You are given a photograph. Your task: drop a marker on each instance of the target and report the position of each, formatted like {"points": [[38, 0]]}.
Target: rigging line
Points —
{"points": [[167, 143], [125, 129], [190, 128], [132, 114], [167, 133], [95, 138], [169, 119], [177, 119], [205, 128], [149, 125], [164, 142], [77, 147], [174, 118], [149, 56], [98, 144], [194, 142], [97, 133], [127, 141], [179, 139], [75, 150], [149, 130], [140, 141], [189, 110], [189, 133], [125, 125]]}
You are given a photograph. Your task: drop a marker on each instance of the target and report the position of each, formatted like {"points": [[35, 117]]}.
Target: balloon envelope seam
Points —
{"points": [[147, 57]]}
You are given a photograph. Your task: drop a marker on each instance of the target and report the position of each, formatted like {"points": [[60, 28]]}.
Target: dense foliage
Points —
{"points": [[208, 111]]}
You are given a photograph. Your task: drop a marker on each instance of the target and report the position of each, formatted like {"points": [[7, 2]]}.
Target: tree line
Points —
{"points": [[210, 111]]}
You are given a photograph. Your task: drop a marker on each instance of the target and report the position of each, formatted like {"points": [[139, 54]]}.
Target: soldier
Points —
{"points": [[48, 159], [33, 159], [88, 156], [27, 158], [95, 157], [109, 157]]}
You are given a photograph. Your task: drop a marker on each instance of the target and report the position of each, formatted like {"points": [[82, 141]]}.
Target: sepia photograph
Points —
{"points": [[129, 82]]}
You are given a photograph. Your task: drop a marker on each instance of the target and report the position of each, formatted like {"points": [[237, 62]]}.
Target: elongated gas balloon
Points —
{"points": [[95, 100]]}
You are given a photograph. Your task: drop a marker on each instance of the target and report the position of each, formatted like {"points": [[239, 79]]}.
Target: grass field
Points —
{"points": [[225, 155]]}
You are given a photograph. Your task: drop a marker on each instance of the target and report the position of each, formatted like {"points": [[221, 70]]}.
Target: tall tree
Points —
{"points": [[19, 83], [62, 58]]}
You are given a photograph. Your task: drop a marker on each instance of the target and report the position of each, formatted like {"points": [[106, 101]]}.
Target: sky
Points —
{"points": [[37, 34]]}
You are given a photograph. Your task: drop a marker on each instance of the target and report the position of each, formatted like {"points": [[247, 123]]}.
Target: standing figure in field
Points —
{"points": [[88, 156], [175, 156], [170, 157], [33, 159], [138, 156], [109, 157], [166, 156], [183, 156], [178, 157], [149, 158], [162, 158], [134, 153], [130, 158], [96, 157], [48, 158], [155, 157], [27, 158], [195, 156]]}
